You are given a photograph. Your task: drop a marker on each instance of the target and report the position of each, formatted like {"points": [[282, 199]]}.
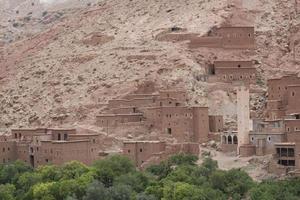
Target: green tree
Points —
{"points": [[7, 192], [96, 191], [73, 170], [120, 192], [10, 172], [43, 191]]}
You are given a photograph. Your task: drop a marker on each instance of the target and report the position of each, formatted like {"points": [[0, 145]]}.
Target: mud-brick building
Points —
{"points": [[183, 123], [42, 146], [237, 37], [231, 71], [281, 96], [216, 123], [146, 153], [165, 111], [265, 134]]}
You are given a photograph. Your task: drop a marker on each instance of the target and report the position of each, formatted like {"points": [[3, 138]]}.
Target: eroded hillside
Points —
{"points": [[61, 70]]}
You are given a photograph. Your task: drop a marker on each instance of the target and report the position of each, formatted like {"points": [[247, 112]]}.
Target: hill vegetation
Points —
{"points": [[115, 178]]}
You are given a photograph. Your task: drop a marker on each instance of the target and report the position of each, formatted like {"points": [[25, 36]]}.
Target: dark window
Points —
{"points": [[128, 151], [239, 66], [229, 139], [169, 130], [141, 150], [8, 149], [291, 152], [3, 149], [283, 152], [235, 140], [293, 93], [46, 160], [16, 135], [59, 137]]}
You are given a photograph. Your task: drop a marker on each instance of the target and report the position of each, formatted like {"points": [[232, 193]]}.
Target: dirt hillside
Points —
{"points": [[59, 63]]}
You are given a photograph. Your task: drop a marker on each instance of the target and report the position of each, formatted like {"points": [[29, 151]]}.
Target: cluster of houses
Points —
{"points": [[169, 113]]}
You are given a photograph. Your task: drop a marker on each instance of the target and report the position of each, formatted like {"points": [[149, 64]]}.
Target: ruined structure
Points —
{"points": [[42, 146], [226, 37], [230, 37], [230, 71]]}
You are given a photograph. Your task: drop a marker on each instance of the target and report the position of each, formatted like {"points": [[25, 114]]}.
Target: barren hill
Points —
{"points": [[62, 62]]}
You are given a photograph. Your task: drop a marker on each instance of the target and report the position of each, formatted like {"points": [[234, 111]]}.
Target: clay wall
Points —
{"points": [[141, 96], [138, 102], [216, 123], [178, 95], [236, 74], [210, 42], [168, 102], [293, 96], [112, 120], [44, 155], [61, 134], [233, 64], [27, 134], [200, 124], [277, 88], [8, 151], [183, 123], [140, 151], [23, 152], [264, 142], [68, 151], [125, 110], [274, 105], [247, 150], [175, 37], [228, 148], [236, 37], [292, 128]]}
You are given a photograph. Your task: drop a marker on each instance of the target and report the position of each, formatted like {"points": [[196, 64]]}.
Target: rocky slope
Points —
{"points": [[63, 63]]}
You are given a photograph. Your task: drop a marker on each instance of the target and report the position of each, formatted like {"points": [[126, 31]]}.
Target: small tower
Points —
{"points": [[243, 116]]}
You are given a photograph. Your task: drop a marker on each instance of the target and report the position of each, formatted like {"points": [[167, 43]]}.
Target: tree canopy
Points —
{"points": [[116, 178]]}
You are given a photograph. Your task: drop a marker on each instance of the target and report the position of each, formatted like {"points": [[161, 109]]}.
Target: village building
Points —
{"points": [[146, 153], [42, 146], [281, 96], [237, 37], [231, 71], [165, 112]]}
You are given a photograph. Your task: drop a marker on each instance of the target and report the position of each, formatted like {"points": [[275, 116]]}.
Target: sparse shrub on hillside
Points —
{"points": [[44, 13], [16, 24]]}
